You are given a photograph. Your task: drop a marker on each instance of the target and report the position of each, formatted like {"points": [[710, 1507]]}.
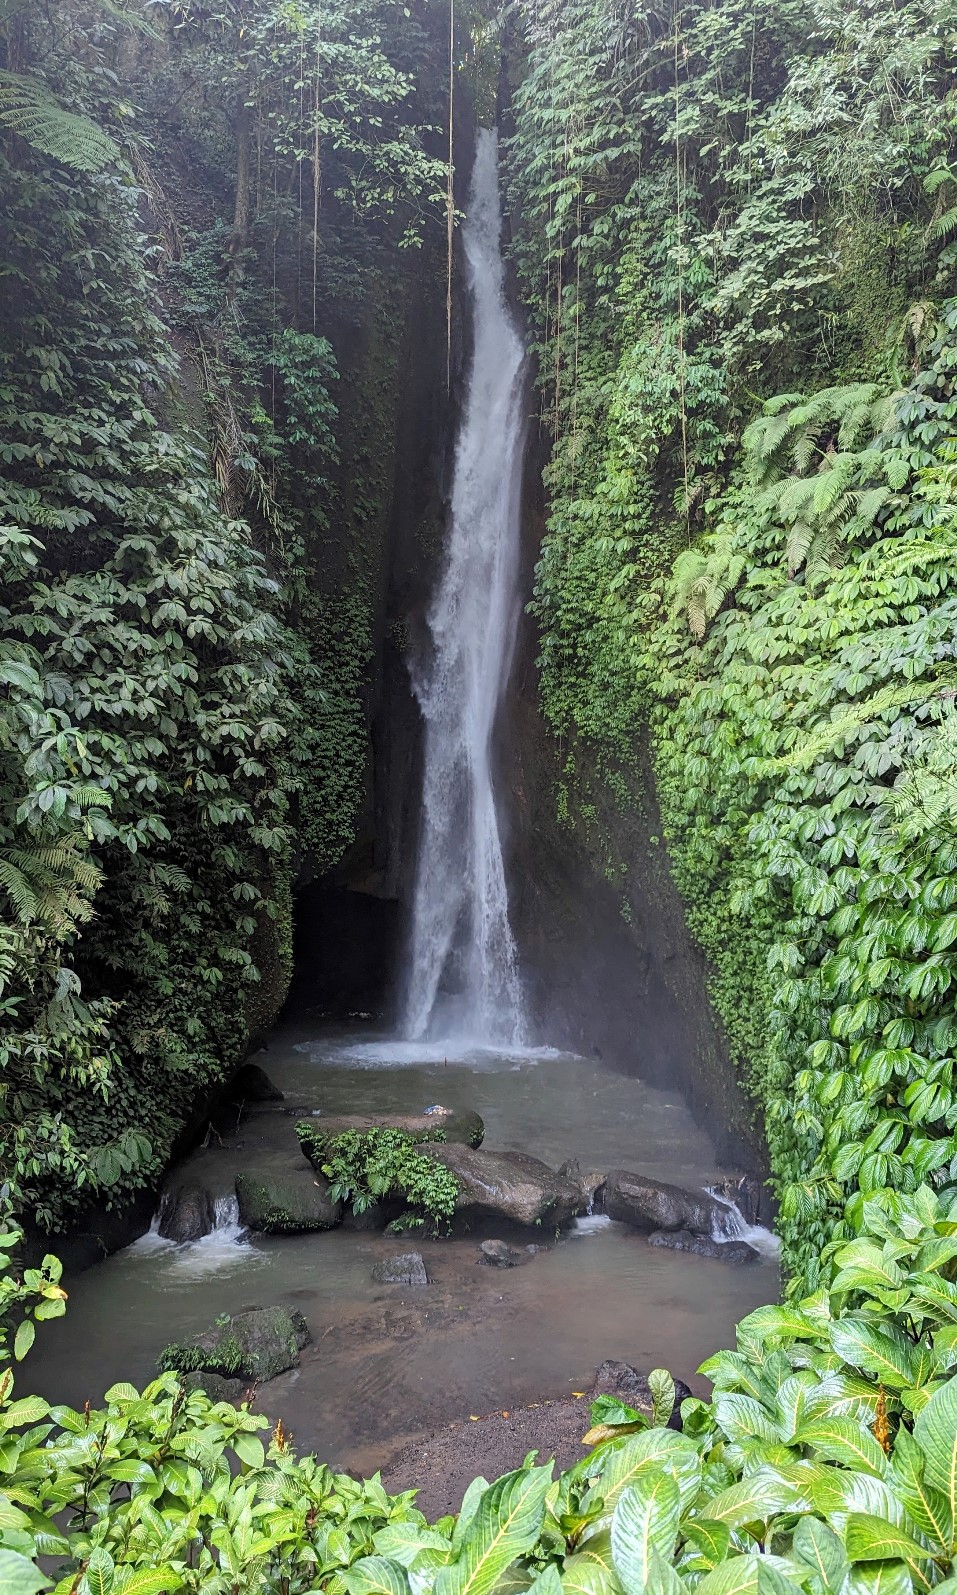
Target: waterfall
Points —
{"points": [[460, 928]]}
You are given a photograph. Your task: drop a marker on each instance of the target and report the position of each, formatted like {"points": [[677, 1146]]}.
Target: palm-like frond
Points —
{"points": [[29, 108]]}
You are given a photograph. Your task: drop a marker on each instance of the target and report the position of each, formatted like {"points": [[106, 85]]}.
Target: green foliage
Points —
{"points": [[187, 544], [747, 367], [369, 1166]]}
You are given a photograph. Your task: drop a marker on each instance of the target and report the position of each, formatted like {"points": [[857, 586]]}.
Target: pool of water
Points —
{"points": [[387, 1362]]}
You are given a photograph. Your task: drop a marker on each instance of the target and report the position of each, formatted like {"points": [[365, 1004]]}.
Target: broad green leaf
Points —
{"points": [[591, 1570], [376, 1575], [645, 1519], [935, 1431], [467, 1511], [879, 1578], [662, 1387], [24, 1338], [18, 1576], [842, 1440], [711, 1540], [98, 1576], [820, 1547], [403, 1542], [881, 1351], [144, 1581], [755, 1499], [508, 1522], [647, 1453], [747, 1575], [872, 1539], [249, 1450]]}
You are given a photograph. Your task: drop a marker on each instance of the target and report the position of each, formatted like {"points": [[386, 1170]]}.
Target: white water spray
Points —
{"points": [[460, 925]]}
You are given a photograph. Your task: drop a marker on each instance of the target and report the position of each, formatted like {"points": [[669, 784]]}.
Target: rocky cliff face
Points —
{"points": [[611, 966]]}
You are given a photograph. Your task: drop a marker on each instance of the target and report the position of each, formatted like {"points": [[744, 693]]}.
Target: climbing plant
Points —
{"points": [[735, 245]]}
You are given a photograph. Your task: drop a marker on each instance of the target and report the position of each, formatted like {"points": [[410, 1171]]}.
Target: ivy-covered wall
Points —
{"points": [[210, 257], [734, 228]]}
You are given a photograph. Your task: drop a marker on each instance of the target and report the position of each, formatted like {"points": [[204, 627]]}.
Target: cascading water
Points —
{"points": [[460, 924]]}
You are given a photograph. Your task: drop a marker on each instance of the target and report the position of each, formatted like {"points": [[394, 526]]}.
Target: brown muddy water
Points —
{"points": [[387, 1363]]}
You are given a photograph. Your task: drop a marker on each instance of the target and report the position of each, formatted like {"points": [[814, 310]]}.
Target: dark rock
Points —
{"points": [[682, 1240], [621, 1379], [214, 1385], [405, 1269], [286, 1202], [252, 1084], [186, 1213], [256, 1344], [498, 1254], [649, 1204], [374, 1219], [508, 1185]]}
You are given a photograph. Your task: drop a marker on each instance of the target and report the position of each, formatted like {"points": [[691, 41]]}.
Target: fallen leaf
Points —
{"points": [[578, 1394], [474, 1417]]}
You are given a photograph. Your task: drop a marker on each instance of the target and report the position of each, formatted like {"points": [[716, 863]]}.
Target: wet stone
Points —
{"points": [[682, 1240], [407, 1268], [653, 1205], [285, 1203], [186, 1213], [498, 1254]]}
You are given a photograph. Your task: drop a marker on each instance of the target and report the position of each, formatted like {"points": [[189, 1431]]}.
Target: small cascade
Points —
{"points": [[731, 1225], [461, 937]]}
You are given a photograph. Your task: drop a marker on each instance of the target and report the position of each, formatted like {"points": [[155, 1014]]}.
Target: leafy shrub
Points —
{"points": [[368, 1166]]}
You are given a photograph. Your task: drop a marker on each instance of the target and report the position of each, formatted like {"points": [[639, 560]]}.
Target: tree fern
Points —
{"points": [[27, 107]]}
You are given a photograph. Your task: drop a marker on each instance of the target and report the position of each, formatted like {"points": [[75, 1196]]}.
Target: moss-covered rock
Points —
{"points": [[254, 1345], [461, 1125], [283, 1203]]}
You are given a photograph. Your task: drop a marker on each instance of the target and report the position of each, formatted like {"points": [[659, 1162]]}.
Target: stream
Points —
{"points": [[387, 1363]]}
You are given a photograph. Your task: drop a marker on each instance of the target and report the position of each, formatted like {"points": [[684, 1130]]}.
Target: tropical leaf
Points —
{"points": [[645, 1519], [508, 1522]]}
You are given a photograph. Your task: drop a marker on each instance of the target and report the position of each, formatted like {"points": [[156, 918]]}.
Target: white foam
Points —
{"points": [[393, 1054], [594, 1224], [735, 1227], [226, 1246]]}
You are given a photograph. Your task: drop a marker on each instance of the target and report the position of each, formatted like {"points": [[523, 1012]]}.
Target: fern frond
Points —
{"points": [[27, 107], [19, 891]]}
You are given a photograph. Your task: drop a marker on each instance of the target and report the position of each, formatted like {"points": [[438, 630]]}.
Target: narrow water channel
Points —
{"points": [[387, 1363]]}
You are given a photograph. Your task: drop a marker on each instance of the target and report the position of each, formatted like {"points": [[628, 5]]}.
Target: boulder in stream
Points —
{"points": [[214, 1385], [498, 1254], [682, 1240], [407, 1268], [255, 1345], [284, 1203], [186, 1213], [649, 1205], [250, 1083], [508, 1185], [455, 1124]]}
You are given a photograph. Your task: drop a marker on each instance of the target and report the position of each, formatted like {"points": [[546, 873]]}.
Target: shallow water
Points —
{"points": [[388, 1362]]}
